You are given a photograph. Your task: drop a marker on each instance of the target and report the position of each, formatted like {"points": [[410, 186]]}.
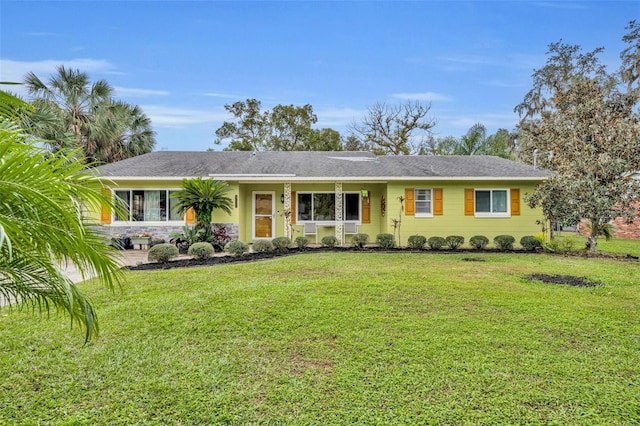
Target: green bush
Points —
{"points": [[417, 242], [162, 253], [236, 248], [281, 244], [329, 241], [530, 243], [262, 246], [560, 245], [360, 240], [201, 250], [504, 242], [454, 241], [436, 243], [478, 242], [302, 242], [385, 241]]}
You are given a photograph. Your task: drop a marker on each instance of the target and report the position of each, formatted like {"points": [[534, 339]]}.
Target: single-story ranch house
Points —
{"points": [[329, 193]]}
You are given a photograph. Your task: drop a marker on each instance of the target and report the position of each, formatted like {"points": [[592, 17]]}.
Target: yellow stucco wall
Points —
{"points": [[453, 220]]}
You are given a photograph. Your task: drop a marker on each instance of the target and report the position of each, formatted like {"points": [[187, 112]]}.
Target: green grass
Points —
{"points": [[617, 246], [347, 338]]}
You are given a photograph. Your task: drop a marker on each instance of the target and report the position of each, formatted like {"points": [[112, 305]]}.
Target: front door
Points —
{"points": [[263, 207]]}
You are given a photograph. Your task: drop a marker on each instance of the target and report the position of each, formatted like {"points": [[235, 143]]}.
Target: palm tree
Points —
{"points": [[72, 113], [121, 131], [474, 142], [203, 196], [43, 225], [70, 96]]}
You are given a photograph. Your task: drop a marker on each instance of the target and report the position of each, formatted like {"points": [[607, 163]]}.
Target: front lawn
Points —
{"points": [[339, 338]]}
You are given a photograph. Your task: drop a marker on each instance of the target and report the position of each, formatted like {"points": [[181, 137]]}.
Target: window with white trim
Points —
{"points": [[321, 206], [148, 205], [492, 202], [423, 202]]}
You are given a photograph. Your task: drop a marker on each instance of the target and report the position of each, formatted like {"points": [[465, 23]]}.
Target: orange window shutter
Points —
{"points": [[437, 202], [190, 216], [515, 202], [366, 209], [409, 202], [293, 207], [105, 210], [469, 209]]}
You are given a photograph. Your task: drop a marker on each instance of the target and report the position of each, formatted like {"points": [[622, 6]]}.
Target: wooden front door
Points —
{"points": [[263, 220]]}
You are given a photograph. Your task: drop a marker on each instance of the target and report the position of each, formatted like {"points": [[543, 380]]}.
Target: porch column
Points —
{"points": [[287, 210], [339, 214]]}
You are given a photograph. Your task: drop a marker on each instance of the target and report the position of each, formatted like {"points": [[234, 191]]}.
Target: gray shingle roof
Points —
{"points": [[300, 165]]}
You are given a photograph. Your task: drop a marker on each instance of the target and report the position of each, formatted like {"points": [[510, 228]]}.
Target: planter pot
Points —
{"points": [[140, 243]]}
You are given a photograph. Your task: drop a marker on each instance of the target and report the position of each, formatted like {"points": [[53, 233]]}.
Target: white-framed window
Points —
{"points": [[148, 205], [423, 202], [321, 206], [492, 203]]}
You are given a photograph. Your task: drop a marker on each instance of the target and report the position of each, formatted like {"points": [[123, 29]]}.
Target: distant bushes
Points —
{"points": [[417, 242], [360, 240], [504, 242], [385, 241], [162, 253], [281, 244], [201, 250], [478, 242], [436, 243]]}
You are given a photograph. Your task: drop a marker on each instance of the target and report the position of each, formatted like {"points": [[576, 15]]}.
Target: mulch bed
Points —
{"points": [[564, 279], [251, 257]]}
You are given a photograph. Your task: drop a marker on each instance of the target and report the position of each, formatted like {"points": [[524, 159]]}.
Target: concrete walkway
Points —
{"points": [[126, 258]]}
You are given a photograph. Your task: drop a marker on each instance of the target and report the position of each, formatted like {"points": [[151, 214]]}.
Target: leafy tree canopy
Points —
{"points": [[73, 113], [475, 142], [284, 128], [582, 122]]}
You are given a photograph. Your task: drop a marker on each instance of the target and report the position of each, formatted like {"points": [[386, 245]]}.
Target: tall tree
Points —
{"points": [[323, 140], [577, 113], [71, 112], [475, 142], [122, 131], [291, 127], [354, 143], [395, 129], [284, 128], [250, 130], [43, 225]]}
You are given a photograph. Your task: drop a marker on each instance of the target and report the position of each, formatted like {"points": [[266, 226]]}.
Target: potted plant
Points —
{"points": [[121, 242], [141, 240]]}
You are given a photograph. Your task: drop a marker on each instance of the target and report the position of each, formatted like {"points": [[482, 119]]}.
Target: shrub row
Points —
{"points": [[164, 252]]}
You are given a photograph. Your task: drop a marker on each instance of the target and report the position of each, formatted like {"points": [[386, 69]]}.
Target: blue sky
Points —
{"points": [[183, 61]]}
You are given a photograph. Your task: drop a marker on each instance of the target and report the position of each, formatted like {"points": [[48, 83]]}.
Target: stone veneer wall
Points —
{"points": [[163, 232]]}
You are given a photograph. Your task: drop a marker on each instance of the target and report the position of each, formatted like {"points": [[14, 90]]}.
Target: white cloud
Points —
{"points": [[162, 116], [223, 95], [338, 117], [131, 92], [422, 96], [16, 70]]}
